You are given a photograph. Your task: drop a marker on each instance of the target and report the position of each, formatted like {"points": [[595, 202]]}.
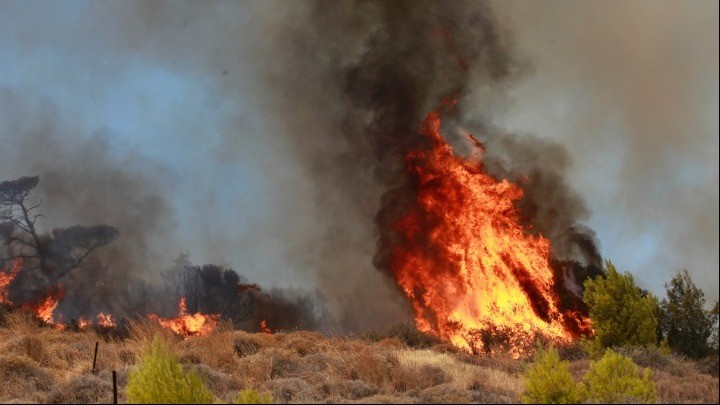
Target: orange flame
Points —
{"points": [[83, 323], [465, 261], [189, 324], [105, 321], [6, 277], [44, 308], [264, 328]]}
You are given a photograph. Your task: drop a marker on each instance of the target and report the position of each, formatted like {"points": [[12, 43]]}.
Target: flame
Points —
{"points": [[45, 308], [83, 323], [264, 328], [105, 321], [188, 324], [7, 275], [463, 259]]}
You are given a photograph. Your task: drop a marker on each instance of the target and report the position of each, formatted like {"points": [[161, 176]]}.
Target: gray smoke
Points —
{"points": [[83, 183], [630, 89], [286, 125], [351, 90]]}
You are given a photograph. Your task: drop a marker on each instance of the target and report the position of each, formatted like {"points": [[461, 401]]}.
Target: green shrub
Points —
{"points": [[159, 378], [251, 396], [685, 323], [622, 314], [548, 380], [616, 379]]}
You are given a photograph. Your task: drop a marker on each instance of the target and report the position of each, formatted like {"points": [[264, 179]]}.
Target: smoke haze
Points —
{"points": [[256, 134]]}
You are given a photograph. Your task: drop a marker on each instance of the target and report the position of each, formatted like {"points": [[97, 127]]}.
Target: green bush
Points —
{"points": [[160, 379], [622, 314], [548, 380], [251, 396], [616, 379], [685, 323]]}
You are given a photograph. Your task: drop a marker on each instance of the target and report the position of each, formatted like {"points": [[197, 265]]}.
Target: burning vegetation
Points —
{"points": [[464, 260], [188, 324], [469, 235], [459, 233], [461, 228], [37, 273]]}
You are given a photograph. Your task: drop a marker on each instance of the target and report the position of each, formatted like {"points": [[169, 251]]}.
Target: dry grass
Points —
{"points": [[46, 365]]}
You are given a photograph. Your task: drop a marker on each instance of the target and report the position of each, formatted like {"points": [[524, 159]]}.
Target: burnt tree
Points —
{"points": [[49, 257]]}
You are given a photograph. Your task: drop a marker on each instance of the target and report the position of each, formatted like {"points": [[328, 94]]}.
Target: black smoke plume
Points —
{"points": [[358, 82]]}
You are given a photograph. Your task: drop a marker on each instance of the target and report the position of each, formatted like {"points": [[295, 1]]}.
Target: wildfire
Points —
{"points": [[45, 307], [104, 321], [83, 323], [264, 328], [463, 259], [189, 324], [6, 277]]}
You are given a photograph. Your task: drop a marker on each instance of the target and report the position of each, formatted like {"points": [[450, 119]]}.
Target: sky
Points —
{"points": [[168, 100]]}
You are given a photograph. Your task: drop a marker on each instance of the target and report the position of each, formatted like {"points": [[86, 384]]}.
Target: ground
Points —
{"points": [[45, 365]]}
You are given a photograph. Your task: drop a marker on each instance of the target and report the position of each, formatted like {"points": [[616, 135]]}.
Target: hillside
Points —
{"points": [[45, 365]]}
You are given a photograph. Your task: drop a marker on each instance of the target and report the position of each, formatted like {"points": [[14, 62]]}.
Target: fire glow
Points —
{"points": [[7, 275], [464, 261], [103, 321], [187, 325], [45, 307]]}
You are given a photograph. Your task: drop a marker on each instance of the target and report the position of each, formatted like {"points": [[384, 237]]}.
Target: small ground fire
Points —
{"points": [[186, 324]]}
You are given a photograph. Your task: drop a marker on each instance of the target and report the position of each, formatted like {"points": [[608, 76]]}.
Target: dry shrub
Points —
{"points": [[382, 399], [578, 368], [303, 343], [143, 331], [34, 348], [372, 365], [69, 351], [121, 375], [127, 354], [499, 361], [422, 377], [391, 343], [111, 356], [285, 363], [654, 358], [346, 389], [287, 390], [82, 389], [215, 350], [320, 367], [245, 344], [21, 323], [253, 370], [20, 376], [490, 397], [445, 394], [709, 365], [218, 382], [491, 383], [426, 368], [692, 388]]}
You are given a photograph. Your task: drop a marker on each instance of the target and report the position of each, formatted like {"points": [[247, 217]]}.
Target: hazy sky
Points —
{"points": [[171, 93]]}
